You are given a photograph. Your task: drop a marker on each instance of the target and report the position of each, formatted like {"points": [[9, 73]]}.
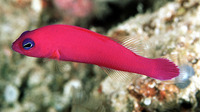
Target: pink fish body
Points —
{"points": [[71, 43]]}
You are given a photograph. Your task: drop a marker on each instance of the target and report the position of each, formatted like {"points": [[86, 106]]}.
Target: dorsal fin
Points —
{"points": [[132, 43], [121, 76]]}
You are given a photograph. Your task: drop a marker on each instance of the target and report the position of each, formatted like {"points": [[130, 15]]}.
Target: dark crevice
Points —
{"points": [[23, 88]]}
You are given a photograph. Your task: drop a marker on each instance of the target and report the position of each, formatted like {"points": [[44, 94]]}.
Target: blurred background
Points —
{"points": [[166, 28]]}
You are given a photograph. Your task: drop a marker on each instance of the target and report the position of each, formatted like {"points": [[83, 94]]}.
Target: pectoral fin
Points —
{"points": [[55, 55]]}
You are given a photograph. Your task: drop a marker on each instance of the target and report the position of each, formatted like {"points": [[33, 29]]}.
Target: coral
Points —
{"points": [[171, 32], [78, 8], [153, 94]]}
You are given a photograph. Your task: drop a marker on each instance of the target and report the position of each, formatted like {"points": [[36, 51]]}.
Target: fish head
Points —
{"points": [[30, 44]]}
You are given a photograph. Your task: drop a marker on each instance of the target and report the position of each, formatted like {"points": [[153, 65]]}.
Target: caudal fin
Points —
{"points": [[164, 69], [183, 80]]}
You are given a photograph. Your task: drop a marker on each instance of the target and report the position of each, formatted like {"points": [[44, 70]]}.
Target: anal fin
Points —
{"points": [[121, 76]]}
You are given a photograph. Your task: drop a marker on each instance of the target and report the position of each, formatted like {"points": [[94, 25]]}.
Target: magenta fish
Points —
{"points": [[71, 43]]}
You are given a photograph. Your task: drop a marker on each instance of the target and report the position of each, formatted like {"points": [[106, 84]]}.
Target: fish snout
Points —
{"points": [[15, 47]]}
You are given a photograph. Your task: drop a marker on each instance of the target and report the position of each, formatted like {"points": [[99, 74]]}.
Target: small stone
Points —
{"points": [[147, 101], [76, 84], [36, 5], [11, 94]]}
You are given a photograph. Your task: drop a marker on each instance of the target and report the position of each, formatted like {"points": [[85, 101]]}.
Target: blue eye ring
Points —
{"points": [[28, 44]]}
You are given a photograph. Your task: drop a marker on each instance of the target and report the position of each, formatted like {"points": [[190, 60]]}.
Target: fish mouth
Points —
{"points": [[15, 47]]}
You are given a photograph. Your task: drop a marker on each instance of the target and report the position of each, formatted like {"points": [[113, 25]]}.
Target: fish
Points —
{"points": [[76, 44]]}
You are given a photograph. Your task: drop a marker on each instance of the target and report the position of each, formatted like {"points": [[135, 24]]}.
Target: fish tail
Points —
{"points": [[183, 80], [164, 69]]}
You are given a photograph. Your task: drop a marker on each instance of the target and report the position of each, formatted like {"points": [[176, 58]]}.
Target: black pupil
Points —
{"points": [[27, 45]]}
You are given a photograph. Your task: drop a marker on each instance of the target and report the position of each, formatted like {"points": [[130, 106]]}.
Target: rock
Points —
{"points": [[171, 34], [11, 94]]}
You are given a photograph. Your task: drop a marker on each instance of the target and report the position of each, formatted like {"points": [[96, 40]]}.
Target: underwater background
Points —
{"points": [[166, 28]]}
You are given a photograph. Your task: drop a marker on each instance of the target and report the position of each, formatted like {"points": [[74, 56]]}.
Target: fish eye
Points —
{"points": [[28, 44]]}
